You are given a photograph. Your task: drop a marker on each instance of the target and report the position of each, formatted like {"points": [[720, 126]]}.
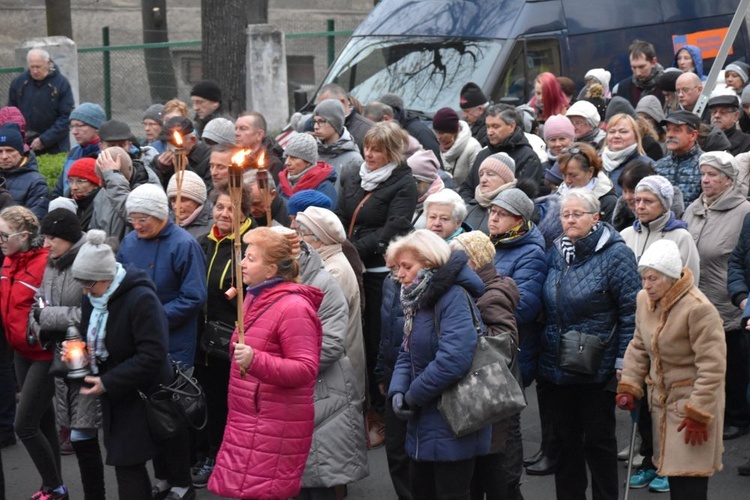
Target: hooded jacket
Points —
{"points": [[458, 160], [27, 186], [343, 155], [695, 54]]}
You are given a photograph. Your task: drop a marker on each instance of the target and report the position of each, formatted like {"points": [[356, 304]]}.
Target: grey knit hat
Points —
{"points": [[722, 161], [741, 69], [148, 199], [662, 256], [95, 260], [745, 99], [220, 130], [660, 187], [333, 111], [617, 106], [650, 105], [516, 202], [155, 113], [89, 113], [304, 147]]}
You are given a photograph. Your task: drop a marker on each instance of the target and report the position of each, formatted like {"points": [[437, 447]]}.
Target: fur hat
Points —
{"points": [[424, 165], [660, 187], [85, 168], [516, 202], [61, 223], [154, 112], [193, 187], [301, 200], [445, 120], [585, 110], [477, 246], [95, 260], [89, 113], [208, 90], [472, 96], [662, 256], [304, 147], [333, 111], [11, 137], [220, 130], [557, 126], [502, 164], [324, 224], [720, 160], [148, 199]]}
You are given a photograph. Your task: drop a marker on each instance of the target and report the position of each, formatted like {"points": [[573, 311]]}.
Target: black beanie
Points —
{"points": [[472, 96], [61, 223], [207, 89]]}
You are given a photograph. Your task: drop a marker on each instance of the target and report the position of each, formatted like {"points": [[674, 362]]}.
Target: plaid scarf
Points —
{"points": [[410, 296]]}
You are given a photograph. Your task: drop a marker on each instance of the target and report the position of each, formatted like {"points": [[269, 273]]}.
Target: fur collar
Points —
{"points": [[674, 294]]}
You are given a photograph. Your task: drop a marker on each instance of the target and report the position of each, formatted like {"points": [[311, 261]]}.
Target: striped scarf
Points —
{"points": [[568, 247]]}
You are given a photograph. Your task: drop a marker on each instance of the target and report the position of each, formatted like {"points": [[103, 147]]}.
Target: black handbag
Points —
{"points": [[172, 407], [216, 339], [489, 392]]}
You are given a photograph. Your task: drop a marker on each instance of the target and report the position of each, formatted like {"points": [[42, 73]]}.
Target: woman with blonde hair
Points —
{"points": [[624, 144]]}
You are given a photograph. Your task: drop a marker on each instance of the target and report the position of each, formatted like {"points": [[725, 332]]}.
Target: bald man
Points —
{"points": [[688, 88]]}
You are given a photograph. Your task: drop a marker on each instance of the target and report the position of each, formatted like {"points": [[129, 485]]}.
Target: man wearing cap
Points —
{"points": [[646, 73], [585, 119], [117, 133], [21, 172], [356, 124], [335, 144], [85, 121], [725, 114], [680, 166], [198, 153], [206, 98], [251, 132], [153, 124], [473, 105], [45, 99]]}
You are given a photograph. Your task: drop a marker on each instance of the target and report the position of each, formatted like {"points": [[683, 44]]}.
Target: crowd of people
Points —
{"points": [[369, 243]]}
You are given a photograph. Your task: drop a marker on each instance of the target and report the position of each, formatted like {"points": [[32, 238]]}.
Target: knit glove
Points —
{"points": [[695, 432], [626, 401], [400, 409]]}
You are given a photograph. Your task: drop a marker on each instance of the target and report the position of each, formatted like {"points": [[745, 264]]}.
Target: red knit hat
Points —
{"points": [[84, 168]]}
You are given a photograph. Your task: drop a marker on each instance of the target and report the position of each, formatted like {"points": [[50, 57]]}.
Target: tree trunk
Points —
{"points": [[223, 24], [59, 22], [159, 68]]}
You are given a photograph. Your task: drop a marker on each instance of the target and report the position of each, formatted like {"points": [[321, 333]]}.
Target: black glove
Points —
{"points": [[37, 312], [400, 409]]}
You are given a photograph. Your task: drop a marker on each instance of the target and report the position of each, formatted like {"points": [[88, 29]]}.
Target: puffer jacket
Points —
{"points": [[458, 160], [338, 454], [343, 155], [437, 358], [391, 331], [271, 415], [176, 264], [738, 273], [683, 172], [595, 295], [27, 186], [90, 150], [716, 231], [21, 278]]}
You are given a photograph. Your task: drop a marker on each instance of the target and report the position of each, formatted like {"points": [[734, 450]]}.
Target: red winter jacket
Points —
{"points": [[271, 415], [21, 278]]}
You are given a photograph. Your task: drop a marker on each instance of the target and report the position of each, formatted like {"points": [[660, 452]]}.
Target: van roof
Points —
{"points": [[510, 18]]}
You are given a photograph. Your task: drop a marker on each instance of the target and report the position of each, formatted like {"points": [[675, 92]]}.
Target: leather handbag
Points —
{"points": [[489, 392], [216, 339], [173, 407]]}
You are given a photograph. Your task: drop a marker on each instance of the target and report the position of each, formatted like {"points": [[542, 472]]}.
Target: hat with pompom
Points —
{"points": [[95, 260]]}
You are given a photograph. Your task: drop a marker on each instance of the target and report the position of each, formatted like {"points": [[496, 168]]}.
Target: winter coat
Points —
{"points": [[176, 264], [357, 125], [716, 231], [320, 177], [197, 161], [683, 172], [614, 175], [479, 130], [391, 331], [271, 415], [90, 150], [679, 350], [697, 56], [338, 265], [27, 186], [738, 272], [477, 216], [436, 360], [639, 237], [548, 214], [633, 93], [595, 295], [517, 147], [343, 155], [385, 214], [458, 160], [21, 278], [137, 346], [46, 105], [338, 454], [739, 140]]}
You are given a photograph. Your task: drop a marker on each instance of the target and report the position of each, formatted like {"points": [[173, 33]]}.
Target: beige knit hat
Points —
{"points": [[324, 224], [193, 187], [477, 246], [502, 164]]}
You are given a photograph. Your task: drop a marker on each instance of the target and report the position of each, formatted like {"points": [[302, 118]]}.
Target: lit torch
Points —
{"points": [[179, 162], [235, 195]]}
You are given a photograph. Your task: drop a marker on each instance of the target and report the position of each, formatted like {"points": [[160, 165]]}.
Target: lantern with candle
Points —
{"points": [[76, 355]]}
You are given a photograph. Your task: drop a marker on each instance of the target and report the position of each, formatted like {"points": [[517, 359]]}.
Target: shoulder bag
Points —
{"points": [[489, 392]]}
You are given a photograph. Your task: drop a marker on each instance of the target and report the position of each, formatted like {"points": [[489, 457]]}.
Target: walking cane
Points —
{"points": [[634, 415]]}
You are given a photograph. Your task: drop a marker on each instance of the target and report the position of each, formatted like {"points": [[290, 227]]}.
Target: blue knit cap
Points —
{"points": [[89, 113], [299, 201], [10, 137]]}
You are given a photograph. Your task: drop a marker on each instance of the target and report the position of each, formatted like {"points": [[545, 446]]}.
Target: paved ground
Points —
{"points": [[22, 479]]}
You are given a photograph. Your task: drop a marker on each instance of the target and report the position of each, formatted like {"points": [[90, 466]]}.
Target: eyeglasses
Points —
{"points": [[573, 215], [85, 283], [572, 150], [77, 181], [320, 122], [685, 90], [5, 237], [137, 220], [305, 234], [497, 212]]}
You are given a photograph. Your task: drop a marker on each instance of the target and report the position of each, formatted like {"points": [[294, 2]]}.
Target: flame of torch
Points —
{"points": [[177, 139]]}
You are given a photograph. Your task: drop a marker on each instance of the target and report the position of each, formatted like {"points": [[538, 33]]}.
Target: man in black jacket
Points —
{"points": [[646, 73], [505, 135], [725, 113], [474, 105], [356, 124]]}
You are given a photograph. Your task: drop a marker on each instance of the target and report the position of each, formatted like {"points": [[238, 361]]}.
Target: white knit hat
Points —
{"points": [[585, 110], [662, 256], [324, 224], [193, 187], [148, 199]]}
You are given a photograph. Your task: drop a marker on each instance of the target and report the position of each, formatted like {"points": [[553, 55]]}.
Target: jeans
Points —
{"points": [[737, 410], [688, 488], [399, 463], [442, 480], [35, 418], [133, 481], [585, 429], [317, 494]]}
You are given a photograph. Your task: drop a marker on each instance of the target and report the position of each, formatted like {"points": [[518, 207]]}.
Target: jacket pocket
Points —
{"points": [[679, 396]]}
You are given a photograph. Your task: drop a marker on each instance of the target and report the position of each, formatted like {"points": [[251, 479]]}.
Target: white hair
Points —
{"points": [[588, 198], [429, 248], [448, 197], [38, 52]]}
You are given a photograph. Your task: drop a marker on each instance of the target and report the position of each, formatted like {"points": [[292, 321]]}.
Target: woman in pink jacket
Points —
{"points": [[271, 415]]}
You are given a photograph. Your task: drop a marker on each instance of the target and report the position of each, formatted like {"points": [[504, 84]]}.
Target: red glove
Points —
{"points": [[695, 432], [626, 401]]}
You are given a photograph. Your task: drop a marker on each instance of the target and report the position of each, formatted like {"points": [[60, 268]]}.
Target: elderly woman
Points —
{"points": [[445, 213], [303, 170], [590, 289], [194, 214], [679, 346], [582, 168], [558, 134], [715, 221], [436, 294], [424, 167], [622, 146], [585, 119], [496, 173], [375, 205], [458, 148], [272, 376]]}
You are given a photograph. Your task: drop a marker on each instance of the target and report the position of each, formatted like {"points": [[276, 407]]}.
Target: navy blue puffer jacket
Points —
{"points": [[592, 296], [391, 331]]}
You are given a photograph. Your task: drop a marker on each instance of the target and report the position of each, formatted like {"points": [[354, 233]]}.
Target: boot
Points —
{"points": [[65, 447], [89, 457], [375, 429]]}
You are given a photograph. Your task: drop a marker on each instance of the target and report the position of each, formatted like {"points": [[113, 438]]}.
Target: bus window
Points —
{"points": [[541, 55]]}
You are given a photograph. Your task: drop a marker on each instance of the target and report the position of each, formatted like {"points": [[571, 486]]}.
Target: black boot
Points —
{"points": [[89, 457]]}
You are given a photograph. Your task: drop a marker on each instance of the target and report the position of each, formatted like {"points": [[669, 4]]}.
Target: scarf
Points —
{"points": [[189, 220], [613, 159], [649, 84], [512, 234], [568, 247], [97, 332], [293, 178], [436, 186], [410, 296], [311, 178], [371, 179], [484, 200], [563, 189]]}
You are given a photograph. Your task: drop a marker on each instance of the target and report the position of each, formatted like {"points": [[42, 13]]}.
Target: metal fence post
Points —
{"points": [[107, 69], [331, 27]]}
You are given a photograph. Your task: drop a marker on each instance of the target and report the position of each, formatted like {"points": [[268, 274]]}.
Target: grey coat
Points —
{"points": [[343, 156], [338, 454]]}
